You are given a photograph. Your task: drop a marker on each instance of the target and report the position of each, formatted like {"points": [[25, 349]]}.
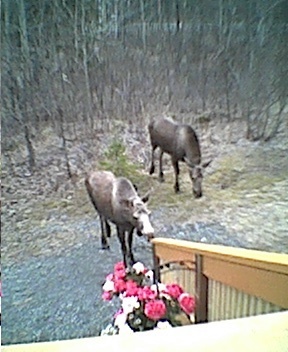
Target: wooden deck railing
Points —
{"points": [[262, 333], [228, 282]]}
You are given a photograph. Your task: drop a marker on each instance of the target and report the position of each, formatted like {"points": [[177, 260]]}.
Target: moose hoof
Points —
{"points": [[152, 169], [161, 177], [132, 262], [105, 246]]}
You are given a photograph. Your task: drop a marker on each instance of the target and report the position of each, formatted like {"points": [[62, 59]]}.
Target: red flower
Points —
{"points": [[187, 303], [131, 288], [119, 285], [145, 293], [155, 309], [174, 290]]}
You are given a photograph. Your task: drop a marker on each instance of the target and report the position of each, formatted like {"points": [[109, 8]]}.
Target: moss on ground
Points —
{"points": [[230, 183]]}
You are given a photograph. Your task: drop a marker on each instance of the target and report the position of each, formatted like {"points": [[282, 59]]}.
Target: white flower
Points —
{"points": [[120, 320], [159, 287], [138, 267], [163, 325], [192, 317], [129, 304], [109, 330], [150, 276], [108, 286], [125, 329]]}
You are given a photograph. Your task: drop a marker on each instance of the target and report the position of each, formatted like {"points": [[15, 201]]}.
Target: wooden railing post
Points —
{"points": [[156, 266], [201, 290]]}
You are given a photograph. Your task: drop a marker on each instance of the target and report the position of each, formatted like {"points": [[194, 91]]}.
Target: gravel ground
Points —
{"points": [[58, 296], [52, 264]]}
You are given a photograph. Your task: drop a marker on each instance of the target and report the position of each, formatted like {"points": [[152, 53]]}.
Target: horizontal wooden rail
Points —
{"points": [[261, 333], [257, 273]]}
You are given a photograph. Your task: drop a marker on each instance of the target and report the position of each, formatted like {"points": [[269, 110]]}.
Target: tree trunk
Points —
{"points": [[143, 24], [30, 149], [89, 117], [23, 84]]}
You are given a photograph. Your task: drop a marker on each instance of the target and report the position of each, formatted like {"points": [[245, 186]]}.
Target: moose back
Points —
{"points": [[116, 200], [181, 143]]}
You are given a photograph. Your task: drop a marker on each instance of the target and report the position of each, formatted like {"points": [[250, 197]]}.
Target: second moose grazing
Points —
{"points": [[116, 200], [181, 142]]}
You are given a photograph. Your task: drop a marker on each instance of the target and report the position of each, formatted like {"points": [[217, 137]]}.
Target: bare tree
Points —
{"points": [[110, 60]]}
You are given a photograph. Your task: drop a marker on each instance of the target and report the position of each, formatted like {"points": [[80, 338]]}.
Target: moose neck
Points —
{"points": [[192, 147]]}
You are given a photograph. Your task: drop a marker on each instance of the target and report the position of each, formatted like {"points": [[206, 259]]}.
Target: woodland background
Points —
{"points": [[80, 81], [72, 69]]}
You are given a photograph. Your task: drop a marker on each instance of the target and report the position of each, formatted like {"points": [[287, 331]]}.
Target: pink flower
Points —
{"points": [[145, 293], [119, 270], [109, 277], [174, 290], [120, 274], [155, 309], [187, 303], [119, 312], [119, 285], [131, 288], [119, 266], [107, 296]]}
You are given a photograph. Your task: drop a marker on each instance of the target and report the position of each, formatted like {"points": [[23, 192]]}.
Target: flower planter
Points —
{"points": [[145, 305]]}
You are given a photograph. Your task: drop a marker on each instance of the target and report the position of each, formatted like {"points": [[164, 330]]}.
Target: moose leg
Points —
{"points": [[161, 175], [104, 242], [121, 236], [176, 171], [130, 254], [152, 167], [108, 228]]}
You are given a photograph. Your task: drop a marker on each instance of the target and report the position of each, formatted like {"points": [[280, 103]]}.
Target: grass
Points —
{"points": [[235, 179], [230, 184]]}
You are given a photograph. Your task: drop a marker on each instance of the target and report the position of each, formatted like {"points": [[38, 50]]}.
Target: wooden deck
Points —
{"points": [[228, 283], [265, 333]]}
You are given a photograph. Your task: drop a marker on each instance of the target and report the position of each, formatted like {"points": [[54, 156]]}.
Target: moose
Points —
{"points": [[116, 200], [181, 143]]}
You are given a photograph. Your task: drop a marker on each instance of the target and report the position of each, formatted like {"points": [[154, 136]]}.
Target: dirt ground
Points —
{"points": [[50, 232], [245, 191]]}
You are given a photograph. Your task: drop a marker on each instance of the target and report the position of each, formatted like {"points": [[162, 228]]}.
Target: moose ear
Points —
{"points": [[204, 165], [146, 197]]}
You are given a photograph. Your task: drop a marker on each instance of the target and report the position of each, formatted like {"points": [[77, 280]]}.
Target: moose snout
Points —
{"points": [[197, 194], [150, 236], [149, 233], [145, 227]]}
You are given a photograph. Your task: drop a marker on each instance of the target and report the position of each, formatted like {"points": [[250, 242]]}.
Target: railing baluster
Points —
{"points": [[201, 289]]}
